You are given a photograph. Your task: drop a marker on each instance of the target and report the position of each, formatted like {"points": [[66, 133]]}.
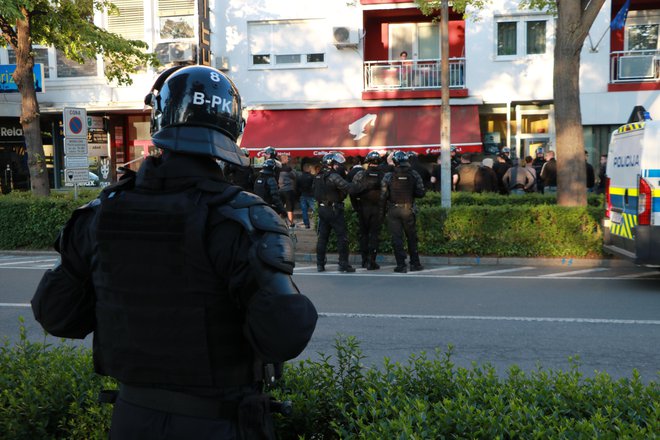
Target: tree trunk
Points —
{"points": [[30, 122], [571, 169]]}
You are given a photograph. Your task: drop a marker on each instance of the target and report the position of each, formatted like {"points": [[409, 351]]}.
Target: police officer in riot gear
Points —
{"points": [[398, 192], [184, 279], [265, 186], [330, 190], [370, 217], [240, 175]]}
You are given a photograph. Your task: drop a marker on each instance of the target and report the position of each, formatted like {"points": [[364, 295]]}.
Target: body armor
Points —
{"points": [[402, 187]]}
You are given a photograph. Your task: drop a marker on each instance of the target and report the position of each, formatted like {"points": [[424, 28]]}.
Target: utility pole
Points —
{"points": [[445, 133]]}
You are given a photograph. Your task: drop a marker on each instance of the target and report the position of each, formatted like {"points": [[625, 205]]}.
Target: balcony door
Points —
{"points": [[420, 40]]}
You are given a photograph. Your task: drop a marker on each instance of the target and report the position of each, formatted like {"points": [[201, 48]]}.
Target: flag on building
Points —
{"points": [[620, 19]]}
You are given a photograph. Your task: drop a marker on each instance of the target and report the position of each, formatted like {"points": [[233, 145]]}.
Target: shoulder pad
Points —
{"points": [[253, 214], [123, 184]]}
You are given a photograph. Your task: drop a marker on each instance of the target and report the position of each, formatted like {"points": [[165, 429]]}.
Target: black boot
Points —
{"points": [[416, 267], [372, 262], [346, 268], [401, 269]]}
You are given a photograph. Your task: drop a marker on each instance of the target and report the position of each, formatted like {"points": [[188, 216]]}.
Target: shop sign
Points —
{"points": [[7, 84], [11, 131]]}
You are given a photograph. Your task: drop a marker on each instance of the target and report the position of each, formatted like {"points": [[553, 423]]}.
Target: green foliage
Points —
{"points": [[50, 393], [429, 398], [29, 222]]}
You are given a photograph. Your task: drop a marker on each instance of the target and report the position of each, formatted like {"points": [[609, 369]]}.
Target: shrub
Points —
{"points": [[50, 393]]}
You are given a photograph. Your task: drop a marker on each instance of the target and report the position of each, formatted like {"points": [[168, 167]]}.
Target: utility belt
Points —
{"points": [[252, 412], [400, 205]]}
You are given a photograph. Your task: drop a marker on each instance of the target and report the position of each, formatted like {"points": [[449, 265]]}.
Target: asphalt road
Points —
{"points": [[533, 315]]}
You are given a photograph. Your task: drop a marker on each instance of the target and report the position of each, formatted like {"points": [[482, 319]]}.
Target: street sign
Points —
{"points": [[95, 122], [75, 122], [76, 162], [76, 175], [75, 147]]}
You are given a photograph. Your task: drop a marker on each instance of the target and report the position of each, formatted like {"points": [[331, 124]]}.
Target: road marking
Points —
{"points": [[437, 269], [14, 305], [27, 267], [28, 262], [375, 273], [575, 272], [494, 318], [496, 272]]}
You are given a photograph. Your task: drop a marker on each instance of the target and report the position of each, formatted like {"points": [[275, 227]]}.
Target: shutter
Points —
{"points": [[130, 21]]}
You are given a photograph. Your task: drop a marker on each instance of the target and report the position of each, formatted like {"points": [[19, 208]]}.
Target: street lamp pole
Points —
{"points": [[445, 126]]}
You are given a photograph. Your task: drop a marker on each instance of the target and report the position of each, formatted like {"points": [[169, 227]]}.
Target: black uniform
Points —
{"points": [[238, 175], [398, 192], [370, 214], [186, 283], [265, 186], [330, 190]]}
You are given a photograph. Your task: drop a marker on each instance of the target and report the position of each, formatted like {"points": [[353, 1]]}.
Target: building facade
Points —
{"points": [[353, 76]]}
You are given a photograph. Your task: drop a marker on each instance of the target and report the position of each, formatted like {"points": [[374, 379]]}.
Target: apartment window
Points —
{"points": [[643, 30], [287, 43], [67, 68], [176, 19], [521, 36], [40, 57], [130, 21]]}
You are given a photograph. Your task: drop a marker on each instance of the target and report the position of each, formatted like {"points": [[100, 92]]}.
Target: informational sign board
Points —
{"points": [[76, 162], [7, 84], [76, 175], [97, 143], [95, 122], [75, 122], [75, 147]]}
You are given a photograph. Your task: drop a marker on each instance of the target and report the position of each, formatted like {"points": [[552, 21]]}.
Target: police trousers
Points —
{"points": [[370, 221], [331, 218], [401, 220]]}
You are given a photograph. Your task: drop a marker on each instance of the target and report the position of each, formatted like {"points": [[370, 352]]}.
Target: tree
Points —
{"points": [[574, 19], [68, 25]]}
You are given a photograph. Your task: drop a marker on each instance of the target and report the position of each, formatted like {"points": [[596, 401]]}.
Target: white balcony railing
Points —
{"points": [[411, 74], [635, 66]]}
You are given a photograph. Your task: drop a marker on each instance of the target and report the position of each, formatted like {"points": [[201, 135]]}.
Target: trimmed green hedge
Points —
{"points": [[50, 393], [531, 225]]}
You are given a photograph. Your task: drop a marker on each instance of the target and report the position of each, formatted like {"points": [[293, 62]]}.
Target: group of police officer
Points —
{"points": [[378, 193]]}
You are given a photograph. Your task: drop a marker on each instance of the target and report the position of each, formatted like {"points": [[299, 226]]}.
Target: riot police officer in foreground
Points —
{"points": [[240, 175], [370, 214], [398, 192], [184, 279], [265, 186], [330, 190]]}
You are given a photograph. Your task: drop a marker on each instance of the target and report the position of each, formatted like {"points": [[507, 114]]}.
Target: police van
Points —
{"points": [[631, 227]]}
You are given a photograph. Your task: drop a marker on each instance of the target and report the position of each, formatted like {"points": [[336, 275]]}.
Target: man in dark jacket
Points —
{"points": [[485, 179], [549, 173], [398, 192], [370, 216], [330, 190], [265, 186], [184, 279], [538, 163], [306, 189]]}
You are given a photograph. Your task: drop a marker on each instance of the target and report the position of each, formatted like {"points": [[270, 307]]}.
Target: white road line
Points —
{"points": [[28, 262], [297, 268], [575, 272], [375, 273], [495, 318], [28, 267], [437, 269], [14, 305], [497, 272]]}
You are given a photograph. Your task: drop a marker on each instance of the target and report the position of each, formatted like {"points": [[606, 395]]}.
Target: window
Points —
{"points": [[130, 21], [176, 19], [67, 68], [643, 30], [420, 40], [40, 57], [287, 43], [521, 36]]}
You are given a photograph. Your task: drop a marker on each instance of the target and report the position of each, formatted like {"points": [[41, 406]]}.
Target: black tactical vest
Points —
{"points": [[163, 315], [325, 192], [402, 187], [372, 178], [262, 189]]}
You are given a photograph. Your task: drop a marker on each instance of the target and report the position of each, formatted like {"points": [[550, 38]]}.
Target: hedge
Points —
{"points": [[49, 392], [531, 225]]}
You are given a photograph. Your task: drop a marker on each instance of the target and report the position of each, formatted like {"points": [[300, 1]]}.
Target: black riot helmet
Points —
{"points": [[373, 157], [269, 153], [197, 110], [333, 158], [400, 158], [270, 165]]}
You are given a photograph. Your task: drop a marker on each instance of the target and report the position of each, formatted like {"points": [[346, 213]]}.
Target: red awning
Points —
{"points": [[358, 130]]}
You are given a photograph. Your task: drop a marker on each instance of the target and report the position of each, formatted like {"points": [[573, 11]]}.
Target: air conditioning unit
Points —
{"points": [[176, 52], [343, 36]]}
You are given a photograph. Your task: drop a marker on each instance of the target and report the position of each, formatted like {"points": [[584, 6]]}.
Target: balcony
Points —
{"points": [[634, 70], [411, 75]]}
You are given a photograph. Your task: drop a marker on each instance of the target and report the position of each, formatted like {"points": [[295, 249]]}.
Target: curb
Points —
{"points": [[308, 257]]}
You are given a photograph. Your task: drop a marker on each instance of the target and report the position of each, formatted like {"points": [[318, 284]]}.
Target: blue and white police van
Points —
{"points": [[631, 227]]}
